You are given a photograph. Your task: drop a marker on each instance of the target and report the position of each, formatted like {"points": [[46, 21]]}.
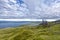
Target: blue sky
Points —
{"points": [[29, 9]]}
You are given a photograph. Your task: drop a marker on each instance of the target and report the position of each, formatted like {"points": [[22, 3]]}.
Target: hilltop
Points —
{"points": [[27, 32]]}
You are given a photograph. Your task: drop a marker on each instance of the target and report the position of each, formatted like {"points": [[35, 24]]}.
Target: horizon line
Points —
{"points": [[27, 19]]}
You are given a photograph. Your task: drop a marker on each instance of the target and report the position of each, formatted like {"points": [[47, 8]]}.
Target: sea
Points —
{"points": [[6, 24]]}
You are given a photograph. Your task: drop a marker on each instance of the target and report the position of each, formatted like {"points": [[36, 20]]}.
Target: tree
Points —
{"points": [[44, 23]]}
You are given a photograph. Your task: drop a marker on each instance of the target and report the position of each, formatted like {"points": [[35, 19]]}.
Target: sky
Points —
{"points": [[29, 9]]}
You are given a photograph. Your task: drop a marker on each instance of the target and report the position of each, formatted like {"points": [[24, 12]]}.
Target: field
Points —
{"points": [[27, 32]]}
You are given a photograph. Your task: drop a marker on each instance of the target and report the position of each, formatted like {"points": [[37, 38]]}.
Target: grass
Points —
{"points": [[31, 33]]}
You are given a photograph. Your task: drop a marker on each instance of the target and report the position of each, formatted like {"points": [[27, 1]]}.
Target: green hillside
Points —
{"points": [[31, 33]]}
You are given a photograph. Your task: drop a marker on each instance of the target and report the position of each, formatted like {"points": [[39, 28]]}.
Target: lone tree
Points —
{"points": [[44, 23]]}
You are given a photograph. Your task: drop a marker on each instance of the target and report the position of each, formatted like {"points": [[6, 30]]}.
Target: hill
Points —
{"points": [[27, 32]]}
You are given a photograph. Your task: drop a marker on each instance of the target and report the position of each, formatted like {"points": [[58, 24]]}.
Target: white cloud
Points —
{"points": [[15, 10], [30, 9]]}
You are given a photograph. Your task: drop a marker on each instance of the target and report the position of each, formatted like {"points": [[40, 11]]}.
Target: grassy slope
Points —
{"points": [[31, 33]]}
